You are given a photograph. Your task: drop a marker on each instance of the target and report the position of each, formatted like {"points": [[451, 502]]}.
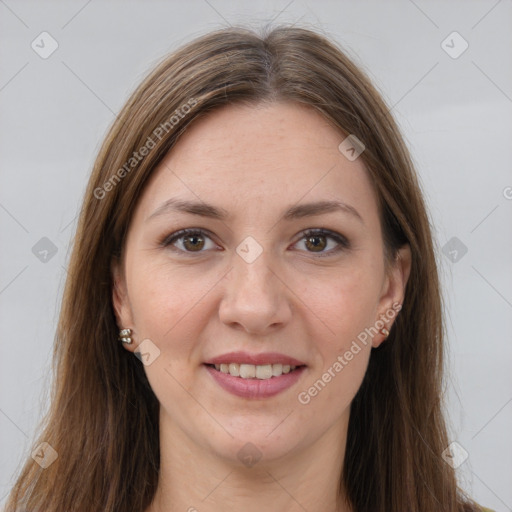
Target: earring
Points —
{"points": [[125, 336], [384, 332]]}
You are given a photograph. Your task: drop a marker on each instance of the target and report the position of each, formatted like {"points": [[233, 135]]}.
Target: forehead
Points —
{"points": [[257, 159]]}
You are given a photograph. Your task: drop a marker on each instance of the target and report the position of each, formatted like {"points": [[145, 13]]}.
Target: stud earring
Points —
{"points": [[125, 336], [384, 332]]}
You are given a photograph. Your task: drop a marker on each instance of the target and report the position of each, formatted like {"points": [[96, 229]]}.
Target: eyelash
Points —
{"points": [[342, 242]]}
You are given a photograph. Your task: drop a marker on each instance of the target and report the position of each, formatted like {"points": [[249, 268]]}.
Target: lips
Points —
{"points": [[255, 376], [265, 358]]}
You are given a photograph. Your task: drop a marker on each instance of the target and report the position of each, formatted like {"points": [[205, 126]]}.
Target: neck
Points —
{"points": [[194, 479]]}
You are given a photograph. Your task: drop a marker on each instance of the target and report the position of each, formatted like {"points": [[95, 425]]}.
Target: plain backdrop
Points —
{"points": [[453, 104]]}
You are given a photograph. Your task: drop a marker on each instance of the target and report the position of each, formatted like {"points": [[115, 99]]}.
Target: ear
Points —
{"points": [[393, 291], [120, 301]]}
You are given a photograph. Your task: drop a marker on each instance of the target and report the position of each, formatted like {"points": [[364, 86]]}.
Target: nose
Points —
{"points": [[255, 297]]}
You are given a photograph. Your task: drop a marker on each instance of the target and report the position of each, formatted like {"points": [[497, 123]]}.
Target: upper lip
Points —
{"points": [[256, 359]]}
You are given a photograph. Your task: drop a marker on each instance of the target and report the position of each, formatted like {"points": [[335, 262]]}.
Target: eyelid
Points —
{"points": [[341, 240], [169, 240]]}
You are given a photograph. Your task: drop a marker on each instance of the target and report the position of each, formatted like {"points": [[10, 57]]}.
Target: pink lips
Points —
{"points": [[259, 359], [255, 388]]}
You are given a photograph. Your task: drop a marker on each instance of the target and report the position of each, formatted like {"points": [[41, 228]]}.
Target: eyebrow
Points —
{"points": [[293, 212]]}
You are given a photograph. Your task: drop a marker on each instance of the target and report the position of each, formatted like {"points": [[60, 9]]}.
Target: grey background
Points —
{"points": [[454, 112]]}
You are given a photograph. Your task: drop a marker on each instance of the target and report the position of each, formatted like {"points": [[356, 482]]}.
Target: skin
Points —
{"points": [[255, 162]]}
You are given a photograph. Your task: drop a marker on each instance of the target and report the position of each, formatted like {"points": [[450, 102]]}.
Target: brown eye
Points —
{"points": [[193, 242], [188, 241], [316, 243], [317, 240]]}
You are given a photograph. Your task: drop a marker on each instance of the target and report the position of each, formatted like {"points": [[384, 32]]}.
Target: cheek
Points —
{"points": [[347, 309], [347, 304], [168, 304]]}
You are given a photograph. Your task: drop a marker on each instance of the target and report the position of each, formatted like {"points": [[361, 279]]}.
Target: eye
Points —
{"points": [[187, 240], [316, 240]]}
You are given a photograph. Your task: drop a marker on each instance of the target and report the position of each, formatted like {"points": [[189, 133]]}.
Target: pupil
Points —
{"points": [[316, 245], [195, 239]]}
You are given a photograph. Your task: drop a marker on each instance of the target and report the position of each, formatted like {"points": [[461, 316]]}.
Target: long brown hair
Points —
{"points": [[103, 417]]}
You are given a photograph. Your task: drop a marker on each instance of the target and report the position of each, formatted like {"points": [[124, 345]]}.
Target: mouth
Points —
{"points": [[255, 382], [252, 371]]}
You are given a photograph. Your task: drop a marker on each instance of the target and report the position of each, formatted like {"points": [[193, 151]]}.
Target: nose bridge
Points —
{"points": [[253, 296], [252, 275]]}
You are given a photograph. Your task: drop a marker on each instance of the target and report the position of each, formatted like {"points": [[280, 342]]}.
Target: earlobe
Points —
{"points": [[121, 307], [398, 276], [394, 294]]}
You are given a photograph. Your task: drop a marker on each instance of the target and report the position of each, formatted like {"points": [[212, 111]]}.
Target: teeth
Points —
{"points": [[277, 369], [247, 371], [234, 369], [264, 372], [251, 371]]}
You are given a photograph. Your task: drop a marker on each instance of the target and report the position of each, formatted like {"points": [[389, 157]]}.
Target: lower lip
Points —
{"points": [[255, 388]]}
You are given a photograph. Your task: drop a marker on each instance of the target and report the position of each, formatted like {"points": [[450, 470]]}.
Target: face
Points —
{"points": [[270, 275]]}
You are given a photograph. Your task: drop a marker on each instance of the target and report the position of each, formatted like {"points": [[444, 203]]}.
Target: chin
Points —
{"points": [[254, 442]]}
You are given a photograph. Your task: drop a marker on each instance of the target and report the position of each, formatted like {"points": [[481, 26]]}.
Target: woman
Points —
{"points": [[254, 233]]}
